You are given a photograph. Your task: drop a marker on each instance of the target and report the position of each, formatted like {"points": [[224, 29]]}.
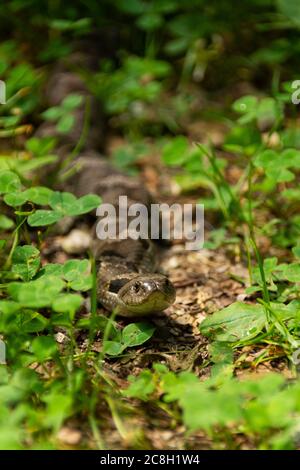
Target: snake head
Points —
{"points": [[145, 294]]}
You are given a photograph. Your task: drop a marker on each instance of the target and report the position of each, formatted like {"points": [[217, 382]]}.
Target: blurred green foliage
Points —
{"points": [[163, 66]]}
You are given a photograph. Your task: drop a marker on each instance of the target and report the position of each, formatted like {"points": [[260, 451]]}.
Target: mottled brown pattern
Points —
{"points": [[129, 264]]}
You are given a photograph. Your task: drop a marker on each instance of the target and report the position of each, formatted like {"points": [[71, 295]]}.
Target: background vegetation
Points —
{"points": [[163, 65]]}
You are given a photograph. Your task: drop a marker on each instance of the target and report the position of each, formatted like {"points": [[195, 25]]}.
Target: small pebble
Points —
{"points": [[69, 436], [76, 242], [241, 297], [60, 337]]}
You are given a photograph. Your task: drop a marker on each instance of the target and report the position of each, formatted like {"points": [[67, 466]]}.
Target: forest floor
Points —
{"points": [[206, 281]]}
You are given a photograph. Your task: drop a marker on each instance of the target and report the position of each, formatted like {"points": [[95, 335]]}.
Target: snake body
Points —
{"points": [[127, 278]]}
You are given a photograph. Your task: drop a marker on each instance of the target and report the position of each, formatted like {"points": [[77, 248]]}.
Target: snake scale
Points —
{"points": [[127, 278]]}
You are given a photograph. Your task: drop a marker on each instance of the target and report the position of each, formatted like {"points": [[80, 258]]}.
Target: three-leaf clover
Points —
{"points": [[62, 115]]}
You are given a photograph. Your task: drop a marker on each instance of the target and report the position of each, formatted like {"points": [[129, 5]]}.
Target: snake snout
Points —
{"points": [[167, 289]]}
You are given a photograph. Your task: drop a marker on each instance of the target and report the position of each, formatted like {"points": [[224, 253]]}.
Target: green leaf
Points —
{"points": [[270, 265], [244, 140], [245, 104], [74, 268], [268, 110], [113, 348], [44, 348], [59, 407], [40, 146], [175, 152], [27, 381], [33, 322], [150, 21], [65, 123], [54, 269], [83, 284], [221, 354], [176, 46], [53, 114], [9, 182], [39, 195], [26, 261], [280, 174], [276, 165], [141, 387], [291, 9], [69, 303], [137, 333], [135, 7], [175, 386], [62, 202], [11, 437], [266, 159], [292, 272], [36, 294], [5, 222], [296, 251], [237, 322], [85, 204], [35, 163], [72, 101], [77, 273], [197, 407], [291, 158], [44, 217], [15, 199], [7, 307], [67, 204], [252, 289], [82, 25], [132, 335], [291, 194]]}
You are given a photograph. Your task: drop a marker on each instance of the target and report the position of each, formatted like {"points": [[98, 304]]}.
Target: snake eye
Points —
{"points": [[136, 287]]}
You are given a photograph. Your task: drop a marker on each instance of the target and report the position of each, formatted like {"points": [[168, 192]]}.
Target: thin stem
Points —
{"points": [[81, 141], [93, 309], [95, 431], [261, 270], [125, 435], [106, 334], [14, 245]]}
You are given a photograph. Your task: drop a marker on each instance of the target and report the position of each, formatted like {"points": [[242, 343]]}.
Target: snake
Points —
{"points": [[128, 279]]}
